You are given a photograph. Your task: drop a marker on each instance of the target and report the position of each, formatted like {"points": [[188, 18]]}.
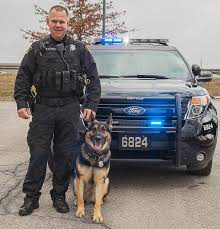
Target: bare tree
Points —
{"points": [[85, 20]]}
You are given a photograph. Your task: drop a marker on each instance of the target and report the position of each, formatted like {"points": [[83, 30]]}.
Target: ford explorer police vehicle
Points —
{"points": [[160, 112]]}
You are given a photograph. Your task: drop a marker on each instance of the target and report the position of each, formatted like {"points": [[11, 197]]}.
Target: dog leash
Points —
{"points": [[81, 117]]}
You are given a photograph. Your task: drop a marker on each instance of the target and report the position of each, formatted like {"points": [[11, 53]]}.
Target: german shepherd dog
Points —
{"points": [[91, 183]]}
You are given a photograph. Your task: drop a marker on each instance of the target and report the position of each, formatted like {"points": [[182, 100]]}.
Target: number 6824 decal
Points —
{"points": [[133, 142]]}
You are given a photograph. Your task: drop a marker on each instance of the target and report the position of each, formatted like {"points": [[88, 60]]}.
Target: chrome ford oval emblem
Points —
{"points": [[134, 110]]}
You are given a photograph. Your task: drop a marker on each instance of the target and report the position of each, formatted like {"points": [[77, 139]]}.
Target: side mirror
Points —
{"points": [[196, 70], [205, 76]]}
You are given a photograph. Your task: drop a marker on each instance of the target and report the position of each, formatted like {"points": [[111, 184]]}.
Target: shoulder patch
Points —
{"points": [[29, 50], [72, 47], [86, 48]]}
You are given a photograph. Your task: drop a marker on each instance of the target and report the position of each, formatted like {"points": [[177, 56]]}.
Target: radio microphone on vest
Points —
{"points": [[60, 47]]}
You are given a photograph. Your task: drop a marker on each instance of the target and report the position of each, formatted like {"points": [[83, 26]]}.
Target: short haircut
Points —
{"points": [[59, 8]]}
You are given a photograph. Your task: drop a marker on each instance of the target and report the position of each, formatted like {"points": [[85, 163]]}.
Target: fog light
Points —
{"points": [[200, 156]]}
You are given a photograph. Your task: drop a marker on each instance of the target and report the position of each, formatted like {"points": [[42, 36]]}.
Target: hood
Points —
{"points": [[144, 87]]}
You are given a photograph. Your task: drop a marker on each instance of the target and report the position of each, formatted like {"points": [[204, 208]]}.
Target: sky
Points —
{"points": [[192, 26]]}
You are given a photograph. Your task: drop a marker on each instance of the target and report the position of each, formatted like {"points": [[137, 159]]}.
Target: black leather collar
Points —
{"points": [[96, 160], [91, 152]]}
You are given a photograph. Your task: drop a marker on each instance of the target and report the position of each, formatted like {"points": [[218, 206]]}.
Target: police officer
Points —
{"points": [[54, 66]]}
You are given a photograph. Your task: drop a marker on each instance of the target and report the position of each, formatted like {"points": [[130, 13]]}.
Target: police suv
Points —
{"points": [[160, 112]]}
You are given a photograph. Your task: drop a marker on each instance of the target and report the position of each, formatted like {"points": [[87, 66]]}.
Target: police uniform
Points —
{"points": [[55, 69]]}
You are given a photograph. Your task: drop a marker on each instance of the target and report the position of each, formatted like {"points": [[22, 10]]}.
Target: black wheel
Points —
{"points": [[202, 172], [51, 161]]}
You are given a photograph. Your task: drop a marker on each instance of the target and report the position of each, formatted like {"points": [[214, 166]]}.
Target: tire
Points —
{"points": [[202, 172]]}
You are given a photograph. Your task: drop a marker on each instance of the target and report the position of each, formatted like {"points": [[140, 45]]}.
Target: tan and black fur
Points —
{"points": [[91, 183]]}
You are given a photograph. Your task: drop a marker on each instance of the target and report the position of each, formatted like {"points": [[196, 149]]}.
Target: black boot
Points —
{"points": [[60, 205], [28, 207]]}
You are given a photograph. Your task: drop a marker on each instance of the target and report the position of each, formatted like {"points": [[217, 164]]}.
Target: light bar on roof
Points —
{"points": [[116, 40], [109, 41], [144, 41]]}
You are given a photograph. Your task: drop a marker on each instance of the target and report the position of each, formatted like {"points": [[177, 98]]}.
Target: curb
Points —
{"points": [[216, 97]]}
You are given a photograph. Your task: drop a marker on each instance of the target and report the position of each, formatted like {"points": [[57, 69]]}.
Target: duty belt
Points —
{"points": [[55, 102]]}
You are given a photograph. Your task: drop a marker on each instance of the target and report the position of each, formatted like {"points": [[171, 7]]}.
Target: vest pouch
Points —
{"points": [[37, 79], [73, 80], [44, 79], [58, 80], [79, 84], [50, 79], [66, 81]]}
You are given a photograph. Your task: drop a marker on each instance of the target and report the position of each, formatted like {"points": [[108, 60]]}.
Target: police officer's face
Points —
{"points": [[58, 24]]}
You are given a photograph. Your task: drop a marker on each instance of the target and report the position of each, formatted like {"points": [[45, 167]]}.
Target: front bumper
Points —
{"points": [[197, 136]]}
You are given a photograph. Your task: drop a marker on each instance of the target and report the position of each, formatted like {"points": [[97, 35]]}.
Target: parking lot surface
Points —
{"points": [[141, 196]]}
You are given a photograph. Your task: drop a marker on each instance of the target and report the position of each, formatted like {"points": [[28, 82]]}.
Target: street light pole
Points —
{"points": [[103, 19]]}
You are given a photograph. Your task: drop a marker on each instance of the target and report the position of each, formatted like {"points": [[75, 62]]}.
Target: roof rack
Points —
{"points": [[147, 41]]}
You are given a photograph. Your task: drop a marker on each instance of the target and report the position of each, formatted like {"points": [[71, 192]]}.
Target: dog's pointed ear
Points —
{"points": [[109, 122], [91, 119]]}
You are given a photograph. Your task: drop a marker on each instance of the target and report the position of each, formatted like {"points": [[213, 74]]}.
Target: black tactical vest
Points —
{"points": [[53, 77]]}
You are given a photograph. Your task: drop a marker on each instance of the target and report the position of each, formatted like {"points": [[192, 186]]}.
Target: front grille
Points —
{"points": [[163, 140], [155, 109]]}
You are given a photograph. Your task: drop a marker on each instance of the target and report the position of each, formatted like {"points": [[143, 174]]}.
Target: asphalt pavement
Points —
{"points": [[141, 196]]}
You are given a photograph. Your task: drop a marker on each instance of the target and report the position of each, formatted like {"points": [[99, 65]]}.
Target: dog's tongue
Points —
{"points": [[98, 146]]}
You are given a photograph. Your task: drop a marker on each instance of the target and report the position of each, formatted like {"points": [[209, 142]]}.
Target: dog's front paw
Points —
{"points": [[75, 203], [80, 212], [97, 218]]}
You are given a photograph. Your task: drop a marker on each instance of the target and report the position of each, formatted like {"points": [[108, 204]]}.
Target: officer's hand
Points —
{"points": [[24, 113], [86, 114]]}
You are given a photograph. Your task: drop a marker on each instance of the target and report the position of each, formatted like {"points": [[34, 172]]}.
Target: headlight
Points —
{"points": [[197, 106]]}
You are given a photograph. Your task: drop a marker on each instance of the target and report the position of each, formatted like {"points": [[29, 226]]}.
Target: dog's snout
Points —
{"points": [[98, 138]]}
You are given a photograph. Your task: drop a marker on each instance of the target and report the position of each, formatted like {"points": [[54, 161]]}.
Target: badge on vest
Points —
{"points": [[51, 49], [72, 47]]}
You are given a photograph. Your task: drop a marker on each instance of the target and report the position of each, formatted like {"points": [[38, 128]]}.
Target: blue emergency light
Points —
{"points": [[156, 123], [111, 41]]}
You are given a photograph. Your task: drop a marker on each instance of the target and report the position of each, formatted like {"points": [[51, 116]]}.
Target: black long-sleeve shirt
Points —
{"points": [[28, 67]]}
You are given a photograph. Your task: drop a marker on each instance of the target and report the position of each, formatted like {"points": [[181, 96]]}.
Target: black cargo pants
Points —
{"points": [[60, 123]]}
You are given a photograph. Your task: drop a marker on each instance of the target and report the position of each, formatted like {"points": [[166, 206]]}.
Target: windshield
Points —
{"points": [[145, 63]]}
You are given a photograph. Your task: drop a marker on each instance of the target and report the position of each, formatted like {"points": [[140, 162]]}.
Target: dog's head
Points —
{"points": [[98, 135]]}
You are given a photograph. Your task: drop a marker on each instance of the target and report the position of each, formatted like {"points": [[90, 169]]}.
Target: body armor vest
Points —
{"points": [[57, 72]]}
